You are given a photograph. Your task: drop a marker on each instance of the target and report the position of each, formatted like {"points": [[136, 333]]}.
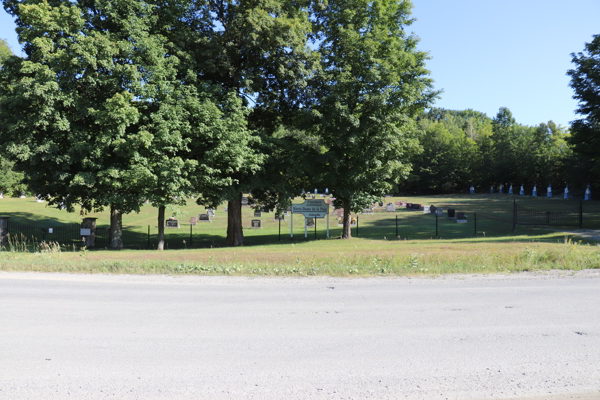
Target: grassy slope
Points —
{"points": [[374, 252]]}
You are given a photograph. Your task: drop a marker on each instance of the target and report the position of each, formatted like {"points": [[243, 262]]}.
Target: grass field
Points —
{"points": [[490, 246]]}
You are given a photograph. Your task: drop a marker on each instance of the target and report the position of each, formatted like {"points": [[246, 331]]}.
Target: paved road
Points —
{"points": [[155, 337]]}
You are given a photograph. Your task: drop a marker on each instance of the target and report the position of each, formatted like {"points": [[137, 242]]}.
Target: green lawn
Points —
{"points": [[376, 250], [489, 216]]}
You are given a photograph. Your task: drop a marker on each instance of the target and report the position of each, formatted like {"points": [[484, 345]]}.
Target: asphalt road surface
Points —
{"points": [[526, 336]]}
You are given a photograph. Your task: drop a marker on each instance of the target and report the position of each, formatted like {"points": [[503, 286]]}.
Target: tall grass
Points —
{"points": [[22, 244], [414, 261]]}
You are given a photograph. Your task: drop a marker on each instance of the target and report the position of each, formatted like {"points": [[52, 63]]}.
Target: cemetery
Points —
{"points": [[452, 217], [439, 240]]}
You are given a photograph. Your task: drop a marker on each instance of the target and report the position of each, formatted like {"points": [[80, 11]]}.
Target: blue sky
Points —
{"points": [[487, 55]]}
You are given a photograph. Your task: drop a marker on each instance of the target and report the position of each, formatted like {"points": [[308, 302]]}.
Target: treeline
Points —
{"points": [[467, 148]]}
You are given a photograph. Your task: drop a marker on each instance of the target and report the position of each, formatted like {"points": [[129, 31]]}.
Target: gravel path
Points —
{"points": [[461, 337]]}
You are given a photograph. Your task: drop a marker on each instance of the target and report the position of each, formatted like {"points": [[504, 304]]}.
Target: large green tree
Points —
{"points": [[371, 85], [585, 132], [258, 50], [100, 113], [10, 180]]}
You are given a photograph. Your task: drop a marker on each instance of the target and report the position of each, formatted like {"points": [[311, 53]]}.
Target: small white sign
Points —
{"points": [[50, 230], [85, 232]]}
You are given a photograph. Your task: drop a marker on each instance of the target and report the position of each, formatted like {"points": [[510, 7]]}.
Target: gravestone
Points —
{"points": [[39, 200], [211, 212], [439, 212], [1, 195], [471, 190], [501, 189], [566, 192], [352, 222], [549, 193], [257, 214], [256, 224], [88, 231], [193, 221], [368, 211], [225, 209], [534, 191], [522, 191], [461, 218], [172, 223], [426, 210], [204, 218], [244, 201], [491, 189], [510, 191], [451, 212], [588, 193], [432, 209], [22, 196], [398, 203], [279, 217], [416, 206], [390, 207]]}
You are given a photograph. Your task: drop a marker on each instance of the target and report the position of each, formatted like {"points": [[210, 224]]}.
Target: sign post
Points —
{"points": [[312, 208]]}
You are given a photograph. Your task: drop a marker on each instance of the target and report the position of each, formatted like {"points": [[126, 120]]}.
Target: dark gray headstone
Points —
{"points": [[204, 217], [451, 212], [256, 223]]}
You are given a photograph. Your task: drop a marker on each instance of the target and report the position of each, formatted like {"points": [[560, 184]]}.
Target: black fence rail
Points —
{"points": [[567, 217], [64, 234]]}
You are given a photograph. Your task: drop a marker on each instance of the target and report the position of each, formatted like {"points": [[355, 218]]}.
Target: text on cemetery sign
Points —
{"points": [[316, 208]]}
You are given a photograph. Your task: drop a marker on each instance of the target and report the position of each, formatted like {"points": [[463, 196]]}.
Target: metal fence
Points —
{"points": [[567, 217], [64, 234]]}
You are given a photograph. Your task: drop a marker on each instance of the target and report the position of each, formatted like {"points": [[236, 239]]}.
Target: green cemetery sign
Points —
{"points": [[312, 208]]}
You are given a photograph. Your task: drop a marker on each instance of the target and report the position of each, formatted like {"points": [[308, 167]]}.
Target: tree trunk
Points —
{"points": [[161, 228], [347, 230], [116, 229], [235, 234]]}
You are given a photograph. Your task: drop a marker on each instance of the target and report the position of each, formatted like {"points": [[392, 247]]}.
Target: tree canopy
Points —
{"points": [[371, 85], [585, 81]]}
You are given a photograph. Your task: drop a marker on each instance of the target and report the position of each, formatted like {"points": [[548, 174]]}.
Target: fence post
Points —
{"points": [[356, 225], [580, 214], [396, 226], [475, 224], [436, 226], [191, 237], [4, 230], [514, 215], [148, 236]]}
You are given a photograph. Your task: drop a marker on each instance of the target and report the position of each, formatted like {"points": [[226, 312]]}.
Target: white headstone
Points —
{"points": [[426, 210], [549, 191], [471, 190], [510, 190], [522, 190], [1, 195], [566, 192], [588, 193], [390, 207], [534, 193]]}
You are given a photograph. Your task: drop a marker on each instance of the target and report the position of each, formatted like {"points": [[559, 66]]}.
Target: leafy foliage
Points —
{"points": [[585, 81], [371, 84]]}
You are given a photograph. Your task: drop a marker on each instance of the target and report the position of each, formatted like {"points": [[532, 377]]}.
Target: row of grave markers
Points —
{"points": [[534, 192]]}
